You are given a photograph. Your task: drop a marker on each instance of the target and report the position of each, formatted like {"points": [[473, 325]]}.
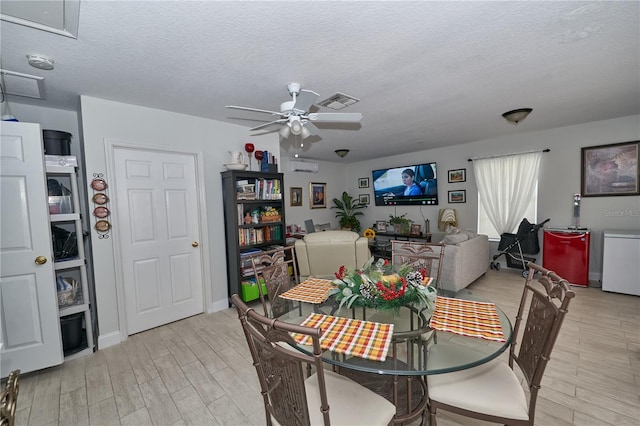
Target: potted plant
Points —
{"points": [[348, 207], [400, 223]]}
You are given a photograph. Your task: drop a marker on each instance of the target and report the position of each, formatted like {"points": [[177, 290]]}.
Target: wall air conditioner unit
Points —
{"points": [[303, 166]]}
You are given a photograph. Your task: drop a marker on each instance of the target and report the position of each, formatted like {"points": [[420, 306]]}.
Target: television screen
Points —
{"points": [[408, 185]]}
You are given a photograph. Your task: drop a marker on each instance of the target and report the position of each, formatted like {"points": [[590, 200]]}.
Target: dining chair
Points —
{"points": [[420, 255], [493, 391], [9, 399], [279, 272], [291, 399]]}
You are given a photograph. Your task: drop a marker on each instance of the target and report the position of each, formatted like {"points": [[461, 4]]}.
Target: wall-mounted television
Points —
{"points": [[415, 184]]}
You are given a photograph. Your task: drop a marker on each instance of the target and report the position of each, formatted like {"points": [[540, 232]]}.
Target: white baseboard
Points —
{"points": [[109, 339], [219, 305]]}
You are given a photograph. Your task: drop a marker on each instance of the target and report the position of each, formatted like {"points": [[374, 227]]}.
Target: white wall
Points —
{"points": [[150, 127], [560, 179], [333, 174]]}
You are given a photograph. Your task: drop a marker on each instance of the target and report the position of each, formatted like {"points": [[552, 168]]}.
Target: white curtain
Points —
{"points": [[505, 186]]}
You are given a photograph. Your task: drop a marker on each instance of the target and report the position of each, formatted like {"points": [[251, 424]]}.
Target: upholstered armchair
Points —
{"points": [[320, 254]]}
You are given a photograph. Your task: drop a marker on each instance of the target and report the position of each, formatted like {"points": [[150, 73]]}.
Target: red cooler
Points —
{"points": [[566, 252]]}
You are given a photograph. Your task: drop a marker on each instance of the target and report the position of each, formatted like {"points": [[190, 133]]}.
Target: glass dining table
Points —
{"points": [[415, 349]]}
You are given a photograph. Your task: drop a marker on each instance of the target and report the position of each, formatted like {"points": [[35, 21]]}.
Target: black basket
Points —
{"points": [[514, 260]]}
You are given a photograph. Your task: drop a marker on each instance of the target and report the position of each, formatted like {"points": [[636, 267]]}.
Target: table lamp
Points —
{"points": [[447, 218]]}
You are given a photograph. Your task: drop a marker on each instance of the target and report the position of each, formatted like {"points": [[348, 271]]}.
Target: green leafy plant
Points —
{"points": [[348, 211], [400, 223]]}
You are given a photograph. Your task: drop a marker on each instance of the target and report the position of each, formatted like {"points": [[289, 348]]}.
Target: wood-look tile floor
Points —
{"points": [[198, 371]]}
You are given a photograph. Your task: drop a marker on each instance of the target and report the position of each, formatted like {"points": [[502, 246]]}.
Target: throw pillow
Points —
{"points": [[322, 227], [454, 238], [470, 234]]}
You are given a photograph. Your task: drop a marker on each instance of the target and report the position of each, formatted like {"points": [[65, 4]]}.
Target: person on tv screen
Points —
{"points": [[412, 188]]}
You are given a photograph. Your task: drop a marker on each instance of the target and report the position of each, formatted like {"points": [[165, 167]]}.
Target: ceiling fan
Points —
{"points": [[294, 115]]}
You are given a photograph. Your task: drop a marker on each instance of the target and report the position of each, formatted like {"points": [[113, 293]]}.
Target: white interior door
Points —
{"points": [[159, 231], [30, 336]]}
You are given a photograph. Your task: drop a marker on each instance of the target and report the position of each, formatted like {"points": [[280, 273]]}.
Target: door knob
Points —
{"points": [[41, 260], [194, 244]]}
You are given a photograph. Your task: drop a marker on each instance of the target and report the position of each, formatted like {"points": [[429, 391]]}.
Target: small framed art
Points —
{"points": [[318, 195], [458, 175], [363, 198], [416, 229], [609, 170], [458, 196], [295, 196], [363, 182], [381, 225]]}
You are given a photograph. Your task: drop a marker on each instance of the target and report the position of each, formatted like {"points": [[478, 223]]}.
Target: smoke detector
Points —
{"points": [[40, 61]]}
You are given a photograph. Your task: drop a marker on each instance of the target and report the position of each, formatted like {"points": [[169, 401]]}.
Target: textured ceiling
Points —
{"points": [[429, 74]]}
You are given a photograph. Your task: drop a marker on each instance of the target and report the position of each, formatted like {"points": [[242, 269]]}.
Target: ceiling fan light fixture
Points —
{"points": [[296, 127], [517, 115], [342, 152], [285, 131], [305, 133]]}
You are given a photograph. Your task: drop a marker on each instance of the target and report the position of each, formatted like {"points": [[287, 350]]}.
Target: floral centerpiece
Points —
{"points": [[369, 233], [378, 286]]}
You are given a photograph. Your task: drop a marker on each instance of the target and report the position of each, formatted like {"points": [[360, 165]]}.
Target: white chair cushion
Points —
{"points": [[349, 402], [491, 388]]}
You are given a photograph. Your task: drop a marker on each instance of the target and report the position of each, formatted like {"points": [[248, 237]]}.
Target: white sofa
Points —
{"points": [[320, 254], [465, 260]]}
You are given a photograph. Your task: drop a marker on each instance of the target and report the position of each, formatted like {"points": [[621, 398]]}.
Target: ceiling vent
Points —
{"points": [[338, 101], [18, 84]]}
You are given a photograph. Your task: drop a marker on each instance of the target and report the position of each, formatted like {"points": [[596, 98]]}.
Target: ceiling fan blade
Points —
{"points": [[253, 109], [305, 99], [335, 117], [262, 126]]}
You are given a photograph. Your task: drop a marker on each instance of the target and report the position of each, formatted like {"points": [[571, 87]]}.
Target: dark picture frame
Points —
{"points": [[318, 195], [416, 229], [363, 182], [295, 196], [457, 175], [364, 198], [381, 225], [457, 196], [610, 170]]}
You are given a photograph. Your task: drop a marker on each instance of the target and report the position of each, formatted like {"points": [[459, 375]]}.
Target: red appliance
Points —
{"points": [[566, 252]]}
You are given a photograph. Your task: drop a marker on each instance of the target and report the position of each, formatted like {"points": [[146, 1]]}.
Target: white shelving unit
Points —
{"points": [[75, 267]]}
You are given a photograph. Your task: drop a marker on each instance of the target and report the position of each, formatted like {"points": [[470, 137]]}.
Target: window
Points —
{"points": [[507, 192]]}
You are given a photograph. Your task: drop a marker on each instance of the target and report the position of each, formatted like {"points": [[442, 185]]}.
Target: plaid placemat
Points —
{"points": [[311, 290], [468, 318], [364, 339]]}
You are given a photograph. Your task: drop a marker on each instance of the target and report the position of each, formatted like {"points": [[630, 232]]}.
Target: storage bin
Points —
{"points": [[60, 204], [56, 142], [71, 327], [249, 290]]}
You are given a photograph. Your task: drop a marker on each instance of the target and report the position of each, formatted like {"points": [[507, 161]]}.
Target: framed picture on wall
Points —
{"points": [[363, 198], [363, 182], [458, 196], [609, 170], [458, 175], [318, 195], [295, 196]]}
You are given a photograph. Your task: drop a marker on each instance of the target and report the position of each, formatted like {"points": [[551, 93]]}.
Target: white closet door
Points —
{"points": [[159, 236], [29, 323]]}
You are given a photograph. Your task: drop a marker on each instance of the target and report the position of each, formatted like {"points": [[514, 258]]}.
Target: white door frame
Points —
{"points": [[112, 144]]}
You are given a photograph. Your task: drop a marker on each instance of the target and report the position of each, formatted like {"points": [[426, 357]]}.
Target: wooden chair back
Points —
{"points": [[9, 399], [280, 370], [545, 303], [421, 256], [273, 267]]}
